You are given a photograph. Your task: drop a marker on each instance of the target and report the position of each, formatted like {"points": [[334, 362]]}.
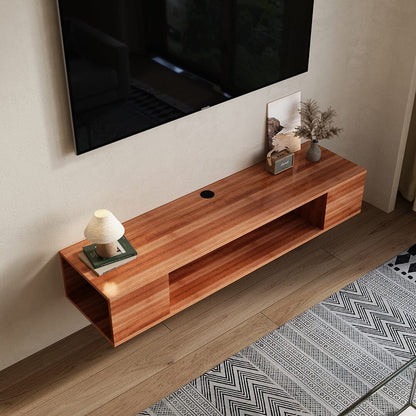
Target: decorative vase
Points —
{"points": [[313, 154]]}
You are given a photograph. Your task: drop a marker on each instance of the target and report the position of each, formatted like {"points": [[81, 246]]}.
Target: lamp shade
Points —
{"points": [[103, 228]]}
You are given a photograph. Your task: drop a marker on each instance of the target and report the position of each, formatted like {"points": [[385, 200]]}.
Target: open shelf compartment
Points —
{"points": [[225, 265], [88, 300]]}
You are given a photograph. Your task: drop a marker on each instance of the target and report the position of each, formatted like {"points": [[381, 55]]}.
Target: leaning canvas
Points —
{"points": [[282, 119]]}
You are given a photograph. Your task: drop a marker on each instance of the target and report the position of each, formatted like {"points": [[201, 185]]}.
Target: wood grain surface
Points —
{"points": [[193, 247]]}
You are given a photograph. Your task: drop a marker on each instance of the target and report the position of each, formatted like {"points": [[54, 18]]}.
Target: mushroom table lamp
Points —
{"points": [[104, 229]]}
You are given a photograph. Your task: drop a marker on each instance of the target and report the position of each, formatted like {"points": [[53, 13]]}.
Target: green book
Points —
{"points": [[124, 250], [99, 271]]}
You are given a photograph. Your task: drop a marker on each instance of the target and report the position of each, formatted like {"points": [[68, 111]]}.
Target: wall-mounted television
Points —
{"points": [[132, 65]]}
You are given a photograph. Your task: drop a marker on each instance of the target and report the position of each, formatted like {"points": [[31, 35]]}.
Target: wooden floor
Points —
{"points": [[84, 375]]}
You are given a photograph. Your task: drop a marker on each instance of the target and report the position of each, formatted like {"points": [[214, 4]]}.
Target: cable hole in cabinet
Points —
{"points": [[207, 194]]}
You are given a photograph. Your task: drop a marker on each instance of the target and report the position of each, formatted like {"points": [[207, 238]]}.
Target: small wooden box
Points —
{"points": [[279, 161]]}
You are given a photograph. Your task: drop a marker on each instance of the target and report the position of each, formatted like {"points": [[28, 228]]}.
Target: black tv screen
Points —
{"points": [[132, 65]]}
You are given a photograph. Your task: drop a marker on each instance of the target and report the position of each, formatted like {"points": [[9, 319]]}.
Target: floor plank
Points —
{"points": [[105, 380], [52, 379], [16, 373]]}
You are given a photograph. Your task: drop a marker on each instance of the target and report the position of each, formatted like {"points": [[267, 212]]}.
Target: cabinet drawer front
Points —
{"points": [[344, 201], [140, 308]]}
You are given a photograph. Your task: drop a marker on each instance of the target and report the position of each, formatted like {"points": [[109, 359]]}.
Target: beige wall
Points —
{"points": [[407, 184], [361, 63]]}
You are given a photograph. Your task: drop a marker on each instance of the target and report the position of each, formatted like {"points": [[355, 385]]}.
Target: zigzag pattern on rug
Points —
{"points": [[320, 362], [236, 387], [373, 315]]}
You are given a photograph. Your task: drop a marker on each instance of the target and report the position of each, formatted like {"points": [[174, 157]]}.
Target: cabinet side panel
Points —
{"points": [[131, 313], [344, 201], [314, 211]]}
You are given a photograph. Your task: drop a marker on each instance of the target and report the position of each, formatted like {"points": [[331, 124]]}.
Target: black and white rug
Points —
{"points": [[323, 360]]}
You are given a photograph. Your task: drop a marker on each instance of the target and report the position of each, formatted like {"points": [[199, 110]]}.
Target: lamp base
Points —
{"points": [[106, 250]]}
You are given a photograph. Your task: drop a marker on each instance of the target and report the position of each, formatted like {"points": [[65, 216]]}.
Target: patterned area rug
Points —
{"points": [[322, 361]]}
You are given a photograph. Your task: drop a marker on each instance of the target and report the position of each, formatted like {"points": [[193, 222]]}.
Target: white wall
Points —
{"points": [[361, 63]]}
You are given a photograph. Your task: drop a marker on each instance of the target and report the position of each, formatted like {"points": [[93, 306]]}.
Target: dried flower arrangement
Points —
{"points": [[316, 124]]}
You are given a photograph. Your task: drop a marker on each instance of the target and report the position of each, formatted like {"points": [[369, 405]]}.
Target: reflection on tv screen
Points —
{"points": [[133, 65]]}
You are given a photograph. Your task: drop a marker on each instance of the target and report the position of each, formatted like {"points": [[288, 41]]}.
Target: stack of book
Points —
{"points": [[99, 265]]}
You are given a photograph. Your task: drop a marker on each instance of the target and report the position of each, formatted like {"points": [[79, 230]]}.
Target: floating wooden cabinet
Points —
{"points": [[193, 246]]}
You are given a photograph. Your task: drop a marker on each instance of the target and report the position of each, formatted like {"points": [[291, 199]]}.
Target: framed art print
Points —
{"points": [[282, 119]]}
